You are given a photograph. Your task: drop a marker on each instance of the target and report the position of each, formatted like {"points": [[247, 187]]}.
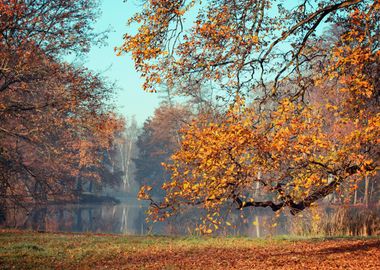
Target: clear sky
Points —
{"points": [[131, 99]]}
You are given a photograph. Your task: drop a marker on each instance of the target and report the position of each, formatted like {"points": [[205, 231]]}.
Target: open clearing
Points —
{"points": [[30, 250]]}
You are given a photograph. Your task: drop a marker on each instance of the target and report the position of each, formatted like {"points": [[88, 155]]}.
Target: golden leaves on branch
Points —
{"points": [[321, 140], [291, 146]]}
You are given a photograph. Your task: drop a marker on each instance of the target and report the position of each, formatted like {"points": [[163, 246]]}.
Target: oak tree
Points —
{"points": [[302, 114]]}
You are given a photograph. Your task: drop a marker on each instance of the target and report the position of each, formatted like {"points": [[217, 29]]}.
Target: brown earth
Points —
{"points": [[342, 254], [22, 250]]}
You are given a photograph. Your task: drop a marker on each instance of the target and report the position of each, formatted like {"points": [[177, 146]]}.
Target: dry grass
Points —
{"points": [[350, 221], [28, 250]]}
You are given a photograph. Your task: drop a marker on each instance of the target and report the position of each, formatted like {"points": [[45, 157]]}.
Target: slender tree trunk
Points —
{"points": [[257, 222], [78, 220], [91, 187], [371, 191], [123, 221], [366, 191], [122, 155], [130, 146], [257, 190], [3, 193], [91, 219]]}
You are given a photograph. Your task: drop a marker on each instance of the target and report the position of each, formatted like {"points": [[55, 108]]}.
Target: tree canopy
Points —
{"points": [[301, 117], [56, 119]]}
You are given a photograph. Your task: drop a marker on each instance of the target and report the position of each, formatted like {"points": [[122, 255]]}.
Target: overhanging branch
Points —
{"points": [[297, 206]]}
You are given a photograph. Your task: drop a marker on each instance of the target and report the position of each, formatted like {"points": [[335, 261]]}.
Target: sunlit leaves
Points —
{"points": [[310, 125]]}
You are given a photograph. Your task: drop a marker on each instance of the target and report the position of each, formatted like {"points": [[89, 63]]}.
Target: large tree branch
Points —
{"points": [[320, 12], [297, 206], [274, 206]]}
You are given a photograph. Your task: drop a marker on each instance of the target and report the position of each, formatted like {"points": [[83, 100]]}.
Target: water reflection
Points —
{"points": [[129, 218], [103, 218]]}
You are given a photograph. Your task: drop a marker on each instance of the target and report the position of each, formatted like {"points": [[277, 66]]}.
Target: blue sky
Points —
{"points": [[131, 99]]}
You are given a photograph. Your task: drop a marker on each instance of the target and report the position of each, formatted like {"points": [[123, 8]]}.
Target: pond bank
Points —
{"points": [[31, 250]]}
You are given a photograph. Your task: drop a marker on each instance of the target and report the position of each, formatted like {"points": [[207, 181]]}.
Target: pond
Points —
{"points": [[129, 218]]}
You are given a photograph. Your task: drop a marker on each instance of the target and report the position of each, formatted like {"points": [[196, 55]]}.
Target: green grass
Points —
{"points": [[42, 248], [26, 250]]}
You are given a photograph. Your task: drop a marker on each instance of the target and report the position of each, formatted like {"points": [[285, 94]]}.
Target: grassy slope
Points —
{"points": [[28, 250]]}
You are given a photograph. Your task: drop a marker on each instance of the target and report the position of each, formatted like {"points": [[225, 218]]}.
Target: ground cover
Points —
{"points": [[32, 250]]}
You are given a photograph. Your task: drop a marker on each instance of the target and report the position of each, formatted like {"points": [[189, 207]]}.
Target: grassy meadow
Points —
{"points": [[32, 250]]}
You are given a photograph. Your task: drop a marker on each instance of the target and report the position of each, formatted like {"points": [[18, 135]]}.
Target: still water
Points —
{"points": [[129, 218]]}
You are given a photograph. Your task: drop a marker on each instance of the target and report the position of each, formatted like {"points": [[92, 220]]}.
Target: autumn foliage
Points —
{"points": [[56, 118], [301, 115]]}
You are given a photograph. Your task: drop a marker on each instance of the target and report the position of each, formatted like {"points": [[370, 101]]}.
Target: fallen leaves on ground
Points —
{"points": [[27, 250], [331, 254]]}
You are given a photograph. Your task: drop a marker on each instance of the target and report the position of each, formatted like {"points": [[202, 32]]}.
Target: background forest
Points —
{"points": [[264, 106]]}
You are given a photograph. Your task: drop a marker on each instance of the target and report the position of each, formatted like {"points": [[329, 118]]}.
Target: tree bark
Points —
{"points": [[365, 200]]}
